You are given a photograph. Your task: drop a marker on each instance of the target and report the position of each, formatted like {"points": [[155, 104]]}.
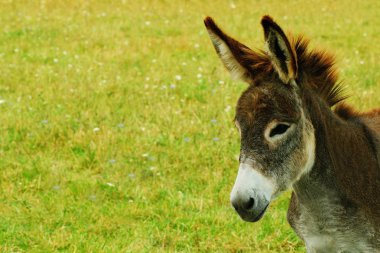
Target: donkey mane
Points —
{"points": [[317, 66], [346, 112]]}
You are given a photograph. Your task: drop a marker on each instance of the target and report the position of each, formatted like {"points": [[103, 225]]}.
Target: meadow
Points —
{"points": [[116, 130]]}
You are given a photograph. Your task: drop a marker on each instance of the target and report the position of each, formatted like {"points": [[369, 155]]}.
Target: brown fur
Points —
{"points": [[257, 63], [346, 169], [351, 145], [279, 49], [317, 66]]}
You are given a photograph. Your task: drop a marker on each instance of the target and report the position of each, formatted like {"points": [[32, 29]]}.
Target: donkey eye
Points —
{"points": [[279, 129]]}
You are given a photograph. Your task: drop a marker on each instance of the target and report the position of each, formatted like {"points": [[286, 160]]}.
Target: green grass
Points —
{"points": [[116, 121]]}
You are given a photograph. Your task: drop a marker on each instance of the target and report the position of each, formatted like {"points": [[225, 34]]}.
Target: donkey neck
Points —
{"points": [[345, 162]]}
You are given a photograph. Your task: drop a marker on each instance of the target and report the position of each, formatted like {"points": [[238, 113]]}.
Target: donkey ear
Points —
{"points": [[234, 55], [282, 54]]}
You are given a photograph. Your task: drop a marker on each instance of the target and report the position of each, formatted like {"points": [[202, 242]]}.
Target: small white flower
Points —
{"points": [[96, 129], [145, 155], [172, 86], [2, 101], [228, 108], [199, 75], [55, 60], [221, 82], [56, 187], [232, 6], [110, 184], [147, 23], [178, 77], [361, 62], [196, 45]]}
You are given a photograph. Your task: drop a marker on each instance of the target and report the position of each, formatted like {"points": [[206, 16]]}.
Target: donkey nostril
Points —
{"points": [[249, 204]]}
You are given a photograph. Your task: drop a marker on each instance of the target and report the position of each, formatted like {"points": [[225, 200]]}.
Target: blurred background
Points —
{"points": [[117, 129]]}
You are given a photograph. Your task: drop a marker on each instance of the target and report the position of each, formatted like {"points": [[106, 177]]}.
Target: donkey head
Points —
{"points": [[277, 137]]}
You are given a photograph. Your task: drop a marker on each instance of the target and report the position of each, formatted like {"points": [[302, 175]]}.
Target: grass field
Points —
{"points": [[116, 121]]}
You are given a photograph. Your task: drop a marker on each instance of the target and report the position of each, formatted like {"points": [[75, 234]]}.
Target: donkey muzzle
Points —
{"points": [[251, 193]]}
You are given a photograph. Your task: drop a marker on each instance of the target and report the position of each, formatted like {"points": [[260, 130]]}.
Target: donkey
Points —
{"points": [[297, 132]]}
